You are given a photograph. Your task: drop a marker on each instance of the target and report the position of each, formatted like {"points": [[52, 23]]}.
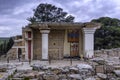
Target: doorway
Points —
{"points": [[19, 52], [73, 39], [74, 49]]}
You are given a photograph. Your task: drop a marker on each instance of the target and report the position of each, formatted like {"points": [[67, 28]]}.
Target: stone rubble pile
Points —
{"points": [[104, 53], [7, 69], [94, 69], [42, 72], [104, 66]]}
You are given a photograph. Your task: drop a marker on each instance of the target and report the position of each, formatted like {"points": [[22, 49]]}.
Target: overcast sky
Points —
{"points": [[13, 13]]}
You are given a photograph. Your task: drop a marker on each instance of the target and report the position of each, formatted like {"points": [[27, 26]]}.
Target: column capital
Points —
{"points": [[89, 30], [44, 31]]}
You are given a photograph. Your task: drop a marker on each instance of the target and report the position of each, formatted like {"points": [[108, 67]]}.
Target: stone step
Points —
{"points": [[24, 67], [117, 67], [117, 72]]}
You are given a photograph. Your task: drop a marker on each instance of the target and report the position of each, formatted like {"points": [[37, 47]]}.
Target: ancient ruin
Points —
{"points": [[40, 41]]}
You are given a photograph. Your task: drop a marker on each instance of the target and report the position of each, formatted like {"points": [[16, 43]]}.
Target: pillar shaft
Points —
{"points": [[88, 42], [44, 44]]}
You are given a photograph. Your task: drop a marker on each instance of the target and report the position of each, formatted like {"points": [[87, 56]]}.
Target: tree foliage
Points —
{"points": [[10, 43], [108, 35], [6, 46], [50, 13]]}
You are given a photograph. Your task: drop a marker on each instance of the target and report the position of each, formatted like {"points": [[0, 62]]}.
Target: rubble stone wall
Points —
{"points": [[107, 53], [37, 51], [56, 44]]}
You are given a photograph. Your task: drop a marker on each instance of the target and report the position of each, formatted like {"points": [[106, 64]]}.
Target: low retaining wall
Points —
{"points": [[107, 52]]}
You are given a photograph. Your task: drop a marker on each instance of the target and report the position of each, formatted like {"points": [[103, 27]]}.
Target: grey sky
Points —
{"points": [[13, 13]]}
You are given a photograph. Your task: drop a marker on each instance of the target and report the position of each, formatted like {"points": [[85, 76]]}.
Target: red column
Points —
{"points": [[29, 45]]}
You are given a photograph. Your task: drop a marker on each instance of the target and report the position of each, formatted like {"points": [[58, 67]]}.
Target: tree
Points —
{"points": [[108, 35], [50, 13], [10, 44], [1, 49], [5, 46]]}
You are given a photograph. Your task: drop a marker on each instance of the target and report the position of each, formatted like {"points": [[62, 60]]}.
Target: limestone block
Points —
{"points": [[99, 69], [50, 77], [101, 75], [75, 76]]}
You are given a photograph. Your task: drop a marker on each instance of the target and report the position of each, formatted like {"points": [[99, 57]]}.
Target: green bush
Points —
{"points": [[26, 78]]}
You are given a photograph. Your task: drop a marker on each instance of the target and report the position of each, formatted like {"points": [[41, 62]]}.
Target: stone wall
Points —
{"points": [[37, 51], [107, 53], [56, 44]]}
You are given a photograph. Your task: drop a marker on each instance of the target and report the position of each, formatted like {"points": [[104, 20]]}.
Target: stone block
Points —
{"points": [[57, 71], [75, 77], [102, 76], [99, 69], [50, 77]]}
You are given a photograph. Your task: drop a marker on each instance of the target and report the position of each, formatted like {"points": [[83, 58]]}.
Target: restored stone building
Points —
{"points": [[57, 40]]}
